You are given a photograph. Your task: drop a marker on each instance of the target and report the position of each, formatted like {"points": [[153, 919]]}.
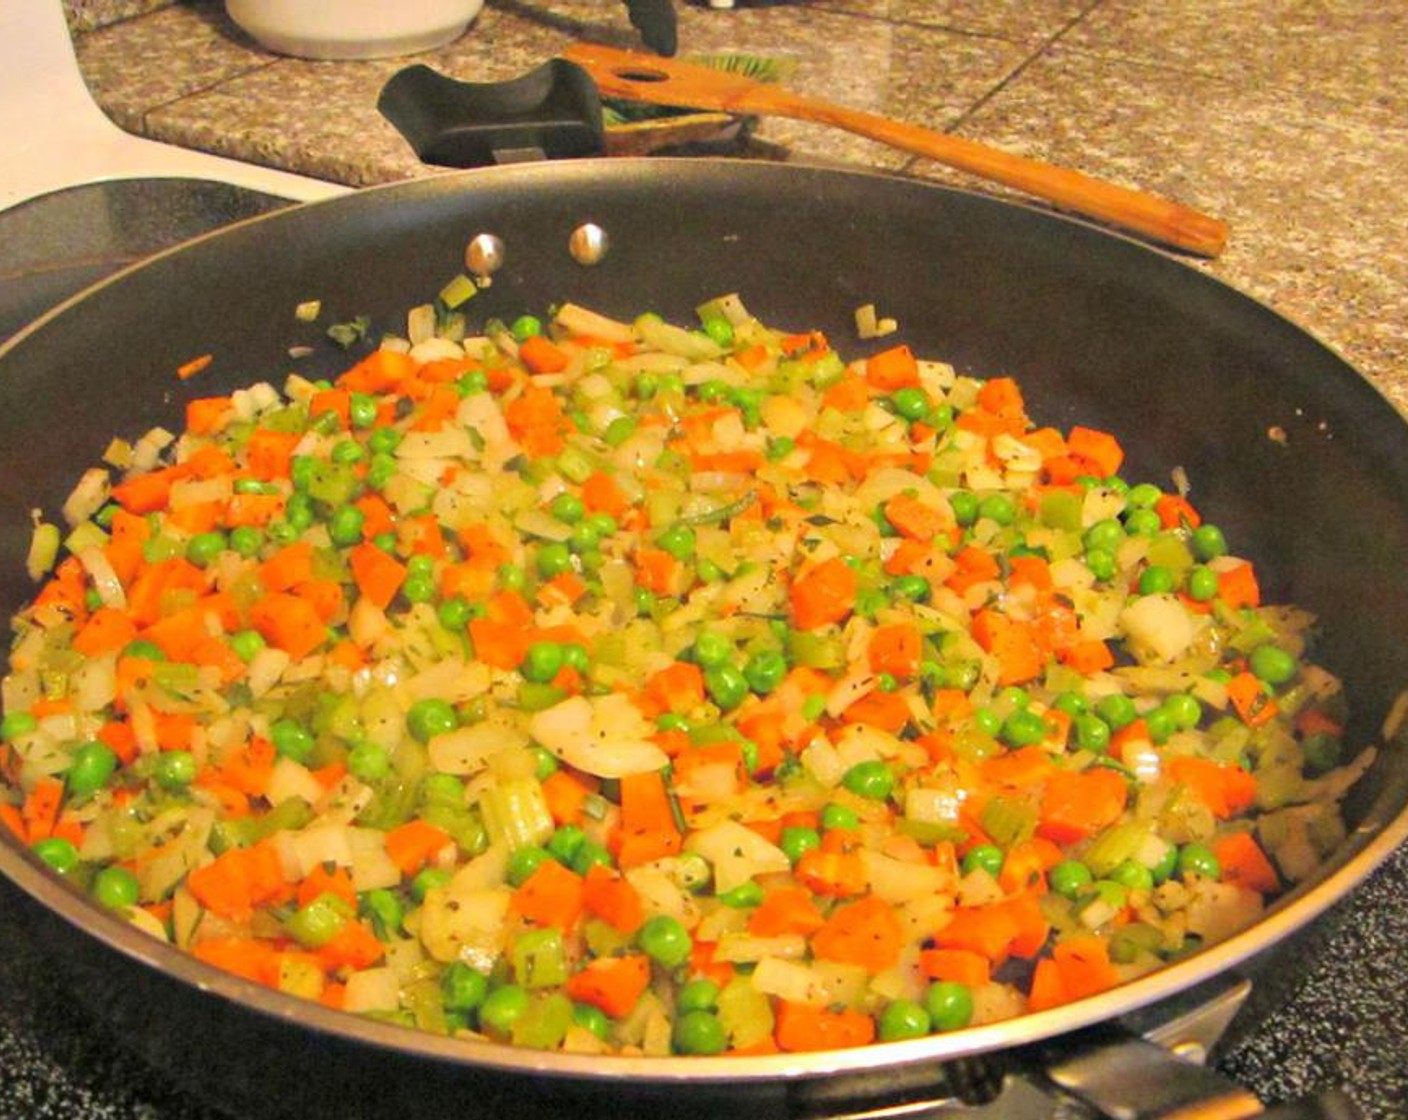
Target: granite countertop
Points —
{"points": [[1288, 120]]}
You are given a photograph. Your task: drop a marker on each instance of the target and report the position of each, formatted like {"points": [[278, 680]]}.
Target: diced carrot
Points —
{"points": [[823, 595], [785, 910], [207, 415], [40, 810], [1099, 451], [1026, 863], [269, 455], [888, 711], [289, 566], [107, 629], [337, 401], [13, 820], [960, 966], [613, 984], [1225, 789], [892, 369], [536, 421], [805, 1027], [655, 570], [377, 574], [1047, 988], [1089, 656], [541, 355], [607, 894], [988, 931], [849, 394], [1017, 769], [1077, 804], [1237, 586], [679, 687], [1020, 657], [551, 896], [832, 874], [1084, 961], [866, 933], [1175, 511], [1002, 397], [916, 519], [411, 845], [253, 509], [249, 768], [248, 957], [907, 557], [289, 623], [1253, 704], [895, 648], [974, 564], [565, 794], [1244, 863], [322, 880], [379, 371], [353, 947], [146, 493], [601, 494]]}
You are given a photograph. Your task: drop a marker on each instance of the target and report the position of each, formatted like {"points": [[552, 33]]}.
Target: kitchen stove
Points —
{"points": [[79, 200]]}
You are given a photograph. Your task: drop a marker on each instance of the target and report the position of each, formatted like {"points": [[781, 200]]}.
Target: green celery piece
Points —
{"points": [[516, 813], [1061, 510], [1008, 821], [744, 1012], [539, 959], [1113, 846], [462, 823], [332, 483], [544, 1025], [812, 650], [286, 816]]}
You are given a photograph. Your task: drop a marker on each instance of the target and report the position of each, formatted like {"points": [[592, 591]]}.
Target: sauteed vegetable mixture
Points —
{"points": [[628, 688]]}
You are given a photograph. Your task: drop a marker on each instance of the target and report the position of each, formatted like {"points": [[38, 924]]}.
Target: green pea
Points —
{"points": [[431, 717], [813, 707], [420, 565], [246, 540], [743, 896], [525, 327], [454, 613], [912, 587], [116, 888], [1117, 710], [700, 1032], [175, 770], [553, 559], [1133, 875], [1092, 733], [965, 506], [1208, 542], [1012, 697], [1156, 580], [1069, 877], [18, 724], [565, 842], [1142, 523], [618, 431], [592, 1018], [369, 762], [1184, 709], [58, 853], [602, 524], [1101, 562], [298, 512], [983, 857], [145, 650], [302, 469], [949, 1004], [903, 1018], [462, 988], [386, 542], [361, 410], [542, 662], [1071, 703], [1023, 728], [545, 763], [999, 508], [1104, 535], [780, 448], [664, 939], [672, 721], [248, 486], [503, 1007], [92, 765], [712, 649], [523, 862], [987, 721], [1144, 495], [1198, 859], [678, 541], [512, 577], [1160, 723], [838, 816], [911, 402], [292, 740], [345, 525], [720, 330], [1168, 863], [428, 880], [1202, 584], [472, 383], [727, 686], [347, 451], [698, 995], [204, 548], [1272, 664], [871, 779], [247, 643], [567, 507], [796, 842], [380, 470], [442, 789], [590, 855]]}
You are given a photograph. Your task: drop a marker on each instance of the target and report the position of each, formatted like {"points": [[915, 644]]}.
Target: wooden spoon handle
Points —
{"points": [[1154, 217]]}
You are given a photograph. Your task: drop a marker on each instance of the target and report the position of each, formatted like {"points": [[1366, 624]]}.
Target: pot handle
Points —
{"points": [[1125, 1077]]}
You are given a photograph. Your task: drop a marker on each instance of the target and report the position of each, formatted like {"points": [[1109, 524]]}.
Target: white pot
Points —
{"points": [[353, 28]]}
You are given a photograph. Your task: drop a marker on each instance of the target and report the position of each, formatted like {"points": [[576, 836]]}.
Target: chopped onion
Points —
{"points": [[105, 581]]}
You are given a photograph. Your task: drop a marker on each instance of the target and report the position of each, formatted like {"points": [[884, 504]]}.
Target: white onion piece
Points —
{"points": [[105, 581]]}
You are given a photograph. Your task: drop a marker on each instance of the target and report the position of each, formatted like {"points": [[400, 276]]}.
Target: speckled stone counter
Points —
{"points": [[1288, 119]]}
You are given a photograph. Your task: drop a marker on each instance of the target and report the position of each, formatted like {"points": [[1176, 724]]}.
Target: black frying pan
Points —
{"points": [[1300, 459]]}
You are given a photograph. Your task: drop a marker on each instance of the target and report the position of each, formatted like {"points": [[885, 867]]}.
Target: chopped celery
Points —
{"points": [[1113, 846], [1008, 820], [544, 1025], [459, 290], [745, 1013], [539, 959], [516, 813], [813, 650], [317, 923]]}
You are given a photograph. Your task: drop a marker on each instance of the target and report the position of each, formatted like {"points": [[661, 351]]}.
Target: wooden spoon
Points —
{"points": [[642, 77]]}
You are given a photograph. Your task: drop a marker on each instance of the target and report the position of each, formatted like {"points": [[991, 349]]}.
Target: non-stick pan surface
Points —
{"points": [[1298, 457]]}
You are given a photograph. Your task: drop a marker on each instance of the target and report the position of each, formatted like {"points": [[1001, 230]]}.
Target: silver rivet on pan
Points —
{"points": [[483, 256], [588, 244]]}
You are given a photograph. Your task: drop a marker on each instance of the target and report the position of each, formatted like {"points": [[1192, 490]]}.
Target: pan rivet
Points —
{"points": [[483, 256], [1191, 1051], [588, 244]]}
